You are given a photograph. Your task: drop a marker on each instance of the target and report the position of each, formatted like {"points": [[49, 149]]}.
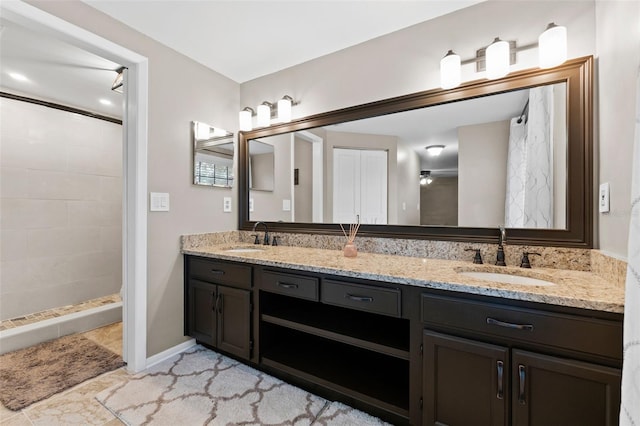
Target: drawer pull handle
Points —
{"points": [[521, 379], [217, 272], [287, 286], [359, 298], [500, 368], [493, 321]]}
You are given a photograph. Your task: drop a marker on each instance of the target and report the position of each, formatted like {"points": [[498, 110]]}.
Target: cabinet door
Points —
{"points": [[201, 308], [464, 382], [555, 391], [234, 321]]}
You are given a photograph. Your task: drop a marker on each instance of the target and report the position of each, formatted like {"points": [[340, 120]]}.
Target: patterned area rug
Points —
{"points": [[32, 374], [202, 387]]}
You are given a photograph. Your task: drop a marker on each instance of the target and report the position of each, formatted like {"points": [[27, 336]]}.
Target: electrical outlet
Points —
{"points": [[603, 198], [250, 204], [286, 205], [226, 205]]}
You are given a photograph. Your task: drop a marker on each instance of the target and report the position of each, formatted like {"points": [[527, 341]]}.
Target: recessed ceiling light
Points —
{"points": [[105, 101], [18, 77]]}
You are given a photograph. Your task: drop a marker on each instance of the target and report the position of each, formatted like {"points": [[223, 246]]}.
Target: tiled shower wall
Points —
{"points": [[60, 208]]}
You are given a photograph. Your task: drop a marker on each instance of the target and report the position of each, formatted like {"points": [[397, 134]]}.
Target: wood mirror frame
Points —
{"points": [[578, 75]]}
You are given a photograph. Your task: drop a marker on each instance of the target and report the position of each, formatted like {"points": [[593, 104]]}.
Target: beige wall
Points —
{"points": [[60, 208], [482, 173], [267, 205], [303, 191], [439, 202], [408, 199], [618, 48], [198, 94]]}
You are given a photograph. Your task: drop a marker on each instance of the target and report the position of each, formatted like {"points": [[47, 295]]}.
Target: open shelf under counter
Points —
{"points": [[378, 333], [374, 379]]}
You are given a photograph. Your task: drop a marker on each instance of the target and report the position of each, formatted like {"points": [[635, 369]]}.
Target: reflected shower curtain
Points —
{"points": [[529, 197]]}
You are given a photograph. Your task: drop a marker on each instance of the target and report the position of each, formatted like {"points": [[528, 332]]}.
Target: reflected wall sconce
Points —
{"points": [[425, 177], [267, 112], [434, 150], [496, 58]]}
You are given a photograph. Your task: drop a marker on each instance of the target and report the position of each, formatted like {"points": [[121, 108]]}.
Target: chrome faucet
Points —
{"points": [[266, 234], [502, 238]]}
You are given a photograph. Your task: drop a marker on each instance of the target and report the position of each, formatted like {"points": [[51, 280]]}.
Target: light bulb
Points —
{"points": [[264, 114], [552, 46], [450, 70], [284, 110], [497, 55], [244, 118], [423, 180]]}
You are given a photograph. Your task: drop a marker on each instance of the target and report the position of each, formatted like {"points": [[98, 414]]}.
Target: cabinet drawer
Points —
{"points": [[378, 300], [583, 334], [220, 272], [290, 285]]}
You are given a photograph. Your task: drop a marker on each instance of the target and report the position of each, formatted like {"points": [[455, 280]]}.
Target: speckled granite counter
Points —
{"points": [[572, 288]]}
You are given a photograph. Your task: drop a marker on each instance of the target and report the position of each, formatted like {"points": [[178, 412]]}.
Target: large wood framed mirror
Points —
{"points": [[517, 152]]}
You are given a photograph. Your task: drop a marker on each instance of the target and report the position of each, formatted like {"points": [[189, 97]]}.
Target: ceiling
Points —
{"points": [[244, 40], [56, 71]]}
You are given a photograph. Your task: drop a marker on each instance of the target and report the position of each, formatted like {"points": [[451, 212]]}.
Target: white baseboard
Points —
{"points": [[158, 358]]}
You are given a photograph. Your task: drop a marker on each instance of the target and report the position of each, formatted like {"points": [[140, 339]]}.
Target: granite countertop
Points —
{"points": [[572, 288]]}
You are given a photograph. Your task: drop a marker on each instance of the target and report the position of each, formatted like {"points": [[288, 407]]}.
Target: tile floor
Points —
{"points": [[75, 406]]}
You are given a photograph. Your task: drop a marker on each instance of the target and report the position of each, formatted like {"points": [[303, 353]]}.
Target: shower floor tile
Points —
{"points": [[57, 312]]}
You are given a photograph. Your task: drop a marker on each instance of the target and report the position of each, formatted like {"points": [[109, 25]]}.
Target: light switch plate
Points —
{"points": [[603, 198], [286, 205], [250, 204], [226, 205], [159, 201]]}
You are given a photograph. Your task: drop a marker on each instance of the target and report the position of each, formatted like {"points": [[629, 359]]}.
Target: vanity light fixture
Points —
{"points": [[500, 54], [264, 114], [245, 119], [434, 150], [267, 113]]}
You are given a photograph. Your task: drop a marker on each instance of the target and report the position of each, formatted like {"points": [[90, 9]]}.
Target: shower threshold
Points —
{"points": [[21, 332]]}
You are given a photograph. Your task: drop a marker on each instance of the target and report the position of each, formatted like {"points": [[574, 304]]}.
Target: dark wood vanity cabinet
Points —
{"points": [[218, 305], [505, 365], [344, 339]]}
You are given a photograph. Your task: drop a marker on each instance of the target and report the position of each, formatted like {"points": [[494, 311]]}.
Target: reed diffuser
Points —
{"points": [[350, 249]]}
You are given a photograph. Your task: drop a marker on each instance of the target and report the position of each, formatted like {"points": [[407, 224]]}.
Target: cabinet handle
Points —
{"points": [[217, 272], [500, 368], [493, 321], [215, 308], [221, 304], [213, 301], [287, 286], [359, 298], [521, 379]]}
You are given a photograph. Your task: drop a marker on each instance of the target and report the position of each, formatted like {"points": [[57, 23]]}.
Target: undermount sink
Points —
{"points": [[244, 250], [506, 278]]}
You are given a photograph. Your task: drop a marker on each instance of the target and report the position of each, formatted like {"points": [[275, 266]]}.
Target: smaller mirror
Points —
{"points": [[212, 155], [261, 166]]}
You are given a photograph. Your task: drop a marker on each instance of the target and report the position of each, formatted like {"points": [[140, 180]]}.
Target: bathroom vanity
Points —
{"points": [[411, 340]]}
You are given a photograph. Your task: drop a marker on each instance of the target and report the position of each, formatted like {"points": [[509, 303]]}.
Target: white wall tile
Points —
{"points": [[13, 182], [13, 245], [84, 213], [32, 214], [111, 189]]}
